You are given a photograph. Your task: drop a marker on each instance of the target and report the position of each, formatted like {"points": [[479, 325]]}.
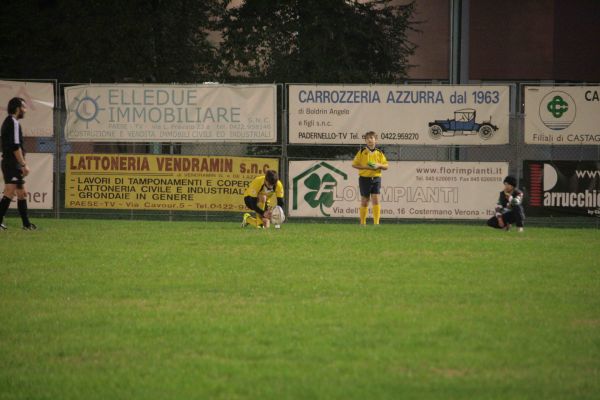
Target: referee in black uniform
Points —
{"points": [[14, 167]]}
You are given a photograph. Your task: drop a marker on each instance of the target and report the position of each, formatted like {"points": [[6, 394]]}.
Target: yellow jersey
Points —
{"points": [[366, 155], [257, 187]]}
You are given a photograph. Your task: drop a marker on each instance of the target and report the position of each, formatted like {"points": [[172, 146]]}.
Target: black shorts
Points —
{"points": [[252, 203], [12, 174], [369, 186]]}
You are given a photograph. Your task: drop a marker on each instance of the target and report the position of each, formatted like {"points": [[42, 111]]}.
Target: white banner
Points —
{"points": [[439, 115], [39, 120], [560, 115], [39, 182], [171, 113], [410, 189]]}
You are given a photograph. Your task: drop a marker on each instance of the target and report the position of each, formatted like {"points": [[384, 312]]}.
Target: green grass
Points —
{"points": [[155, 310]]}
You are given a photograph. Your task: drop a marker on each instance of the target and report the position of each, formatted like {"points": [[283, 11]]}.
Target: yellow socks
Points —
{"points": [[257, 220], [364, 211], [376, 214], [254, 221]]}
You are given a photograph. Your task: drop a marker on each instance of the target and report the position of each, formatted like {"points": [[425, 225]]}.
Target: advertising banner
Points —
{"points": [[171, 113], [562, 188], [39, 182], [399, 114], [161, 182], [410, 189], [39, 96], [558, 115]]}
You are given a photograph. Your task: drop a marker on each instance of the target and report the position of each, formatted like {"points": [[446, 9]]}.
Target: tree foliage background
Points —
{"points": [[108, 40], [317, 41], [168, 40]]}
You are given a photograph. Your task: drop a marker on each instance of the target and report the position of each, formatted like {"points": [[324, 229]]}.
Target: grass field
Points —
{"points": [[155, 310]]}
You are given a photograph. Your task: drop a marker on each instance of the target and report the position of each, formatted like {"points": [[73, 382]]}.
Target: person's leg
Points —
{"points": [[9, 193], [364, 209], [376, 208], [494, 223], [375, 190], [251, 203], [255, 220], [509, 219], [262, 204], [519, 216], [22, 206], [364, 185]]}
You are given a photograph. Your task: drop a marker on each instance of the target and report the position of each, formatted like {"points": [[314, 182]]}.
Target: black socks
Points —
{"points": [[4, 204], [22, 206]]}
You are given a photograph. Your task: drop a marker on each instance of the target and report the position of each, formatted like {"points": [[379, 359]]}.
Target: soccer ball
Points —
{"points": [[277, 216]]}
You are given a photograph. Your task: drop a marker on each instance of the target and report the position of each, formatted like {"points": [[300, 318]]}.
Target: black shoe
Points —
{"points": [[30, 227], [3, 227]]}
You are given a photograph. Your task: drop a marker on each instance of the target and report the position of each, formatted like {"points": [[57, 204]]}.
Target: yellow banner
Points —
{"points": [[161, 182]]}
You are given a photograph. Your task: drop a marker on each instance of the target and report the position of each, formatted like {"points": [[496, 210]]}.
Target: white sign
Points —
{"points": [[438, 115], [560, 115], [39, 182], [39, 120], [410, 189], [171, 113]]}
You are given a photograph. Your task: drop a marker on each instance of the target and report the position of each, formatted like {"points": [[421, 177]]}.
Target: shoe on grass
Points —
{"points": [[30, 227], [245, 220]]}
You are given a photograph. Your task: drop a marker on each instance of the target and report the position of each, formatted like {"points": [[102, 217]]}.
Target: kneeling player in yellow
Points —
{"points": [[369, 162], [259, 197]]}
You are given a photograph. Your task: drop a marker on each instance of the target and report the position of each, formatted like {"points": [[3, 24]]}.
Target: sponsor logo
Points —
{"points": [[562, 188], [318, 184], [86, 108], [557, 110]]}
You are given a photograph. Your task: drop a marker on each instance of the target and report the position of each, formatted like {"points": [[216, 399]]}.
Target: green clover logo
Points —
{"points": [[557, 110], [321, 193], [316, 185], [557, 107]]}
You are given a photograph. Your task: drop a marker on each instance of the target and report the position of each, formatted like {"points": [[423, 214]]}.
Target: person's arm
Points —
{"points": [[500, 210], [21, 160], [516, 199], [17, 150], [19, 156], [507, 202], [356, 162], [279, 194], [499, 207], [383, 164], [357, 165]]}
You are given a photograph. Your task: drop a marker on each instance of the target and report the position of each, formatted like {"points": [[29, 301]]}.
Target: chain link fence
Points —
{"points": [[514, 153]]}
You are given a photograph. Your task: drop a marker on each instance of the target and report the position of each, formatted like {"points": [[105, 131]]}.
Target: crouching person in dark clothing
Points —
{"points": [[509, 209]]}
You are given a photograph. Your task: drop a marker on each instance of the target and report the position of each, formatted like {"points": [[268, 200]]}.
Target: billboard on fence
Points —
{"points": [[171, 113], [563, 188], [410, 189], [39, 97], [39, 182], [161, 182], [400, 114], [558, 115]]}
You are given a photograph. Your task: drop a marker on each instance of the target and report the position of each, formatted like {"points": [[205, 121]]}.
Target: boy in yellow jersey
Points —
{"points": [[369, 162], [259, 195]]}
